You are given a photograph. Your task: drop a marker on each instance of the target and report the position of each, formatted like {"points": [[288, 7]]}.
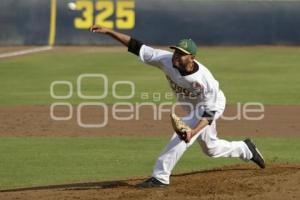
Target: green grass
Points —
{"points": [[262, 74], [34, 161]]}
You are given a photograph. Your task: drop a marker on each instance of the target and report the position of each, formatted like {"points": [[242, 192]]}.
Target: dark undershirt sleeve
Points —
{"points": [[209, 115], [134, 46]]}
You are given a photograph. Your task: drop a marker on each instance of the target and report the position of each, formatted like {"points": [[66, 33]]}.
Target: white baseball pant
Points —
{"points": [[210, 144]]}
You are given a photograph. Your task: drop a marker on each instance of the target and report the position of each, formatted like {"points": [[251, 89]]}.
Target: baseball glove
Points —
{"points": [[180, 127]]}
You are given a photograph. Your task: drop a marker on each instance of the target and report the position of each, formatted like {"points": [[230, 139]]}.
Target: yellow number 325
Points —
{"points": [[124, 14]]}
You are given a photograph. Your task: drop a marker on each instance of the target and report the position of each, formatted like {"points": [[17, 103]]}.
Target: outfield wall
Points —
{"points": [[159, 22], [24, 22]]}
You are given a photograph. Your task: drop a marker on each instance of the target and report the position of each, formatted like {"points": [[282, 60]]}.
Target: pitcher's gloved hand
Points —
{"points": [[183, 131]]}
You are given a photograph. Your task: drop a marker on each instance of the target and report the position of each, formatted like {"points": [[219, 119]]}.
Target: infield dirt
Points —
{"points": [[280, 121], [235, 182]]}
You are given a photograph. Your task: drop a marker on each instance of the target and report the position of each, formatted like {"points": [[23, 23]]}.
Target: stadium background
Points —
{"points": [[231, 22]]}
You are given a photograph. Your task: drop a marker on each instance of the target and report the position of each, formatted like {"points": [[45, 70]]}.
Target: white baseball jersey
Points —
{"points": [[199, 88]]}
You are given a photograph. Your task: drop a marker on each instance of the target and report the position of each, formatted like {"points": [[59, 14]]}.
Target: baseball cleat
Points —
{"points": [[151, 183], [257, 156]]}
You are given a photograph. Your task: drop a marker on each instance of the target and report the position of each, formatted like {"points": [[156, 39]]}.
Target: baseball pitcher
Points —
{"points": [[200, 95]]}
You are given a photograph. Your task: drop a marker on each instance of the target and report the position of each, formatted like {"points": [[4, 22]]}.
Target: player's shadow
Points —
{"points": [[77, 186], [108, 184], [99, 185]]}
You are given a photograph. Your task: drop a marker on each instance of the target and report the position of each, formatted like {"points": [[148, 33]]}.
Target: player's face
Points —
{"points": [[181, 60]]}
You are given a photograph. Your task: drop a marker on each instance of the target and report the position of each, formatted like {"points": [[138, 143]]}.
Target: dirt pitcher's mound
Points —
{"points": [[235, 182]]}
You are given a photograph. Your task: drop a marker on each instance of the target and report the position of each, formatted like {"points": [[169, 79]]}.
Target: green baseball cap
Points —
{"points": [[187, 46]]}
